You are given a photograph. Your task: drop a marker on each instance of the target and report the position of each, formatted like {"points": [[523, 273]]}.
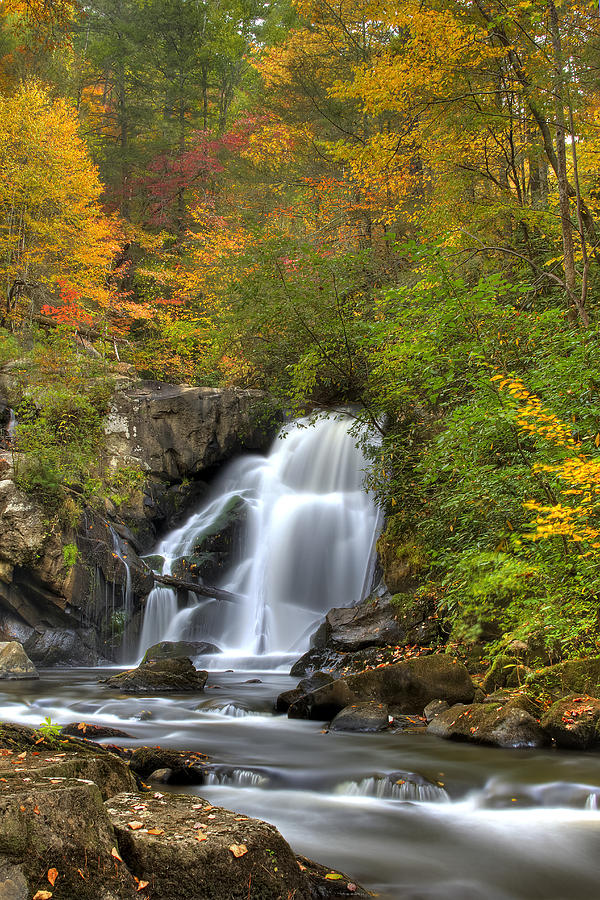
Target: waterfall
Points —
{"points": [[307, 544]]}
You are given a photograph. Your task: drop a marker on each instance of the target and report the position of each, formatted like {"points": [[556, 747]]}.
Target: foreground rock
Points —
{"points": [[179, 649], [508, 726], [574, 723], [406, 688], [74, 827], [362, 717], [160, 675], [14, 662]]}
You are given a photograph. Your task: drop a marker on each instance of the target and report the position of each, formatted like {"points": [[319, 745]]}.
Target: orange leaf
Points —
{"points": [[142, 885], [42, 895], [52, 876], [135, 826], [156, 831], [115, 854], [202, 837], [238, 850]]}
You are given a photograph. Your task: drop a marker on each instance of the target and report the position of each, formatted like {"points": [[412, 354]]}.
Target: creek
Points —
{"points": [[505, 824]]}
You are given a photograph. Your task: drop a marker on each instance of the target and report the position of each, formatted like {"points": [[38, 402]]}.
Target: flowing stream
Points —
{"points": [[306, 545], [410, 816]]}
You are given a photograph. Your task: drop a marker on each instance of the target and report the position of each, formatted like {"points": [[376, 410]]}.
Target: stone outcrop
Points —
{"points": [[362, 717], [574, 723], [160, 676], [508, 725], [178, 649], [14, 662], [406, 687], [580, 676]]}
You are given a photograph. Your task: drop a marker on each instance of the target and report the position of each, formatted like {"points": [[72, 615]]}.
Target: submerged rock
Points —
{"points": [[14, 662], [183, 768], [314, 681], [574, 723], [507, 726], [179, 649], [406, 687], [362, 717], [160, 675]]}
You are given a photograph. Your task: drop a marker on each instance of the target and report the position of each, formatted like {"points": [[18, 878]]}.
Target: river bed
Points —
{"points": [[492, 824]]}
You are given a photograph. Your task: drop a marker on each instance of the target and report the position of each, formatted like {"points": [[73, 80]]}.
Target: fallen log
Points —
{"points": [[203, 590]]}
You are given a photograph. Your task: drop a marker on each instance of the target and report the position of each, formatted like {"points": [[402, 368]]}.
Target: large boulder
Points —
{"points": [[406, 687], [183, 768], [314, 681], [14, 662], [160, 675], [185, 843], [179, 649], [62, 647], [507, 726], [574, 723]]}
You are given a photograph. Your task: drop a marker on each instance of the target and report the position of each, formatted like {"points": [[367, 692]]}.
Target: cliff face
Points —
{"points": [[177, 436]]}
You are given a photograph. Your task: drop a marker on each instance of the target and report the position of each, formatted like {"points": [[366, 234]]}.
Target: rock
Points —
{"points": [[407, 687], [92, 732], [62, 647], [163, 776], [314, 681], [362, 717], [379, 621], [14, 662], [176, 431], [184, 768], [505, 671], [574, 723], [507, 726], [573, 676], [178, 649], [326, 888], [237, 855], [434, 708], [349, 639], [160, 675]]}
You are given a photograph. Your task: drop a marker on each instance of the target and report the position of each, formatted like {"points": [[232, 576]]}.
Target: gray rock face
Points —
{"points": [[434, 708], [14, 662], [161, 675], [314, 681], [177, 431], [178, 649], [406, 687], [574, 723], [362, 717], [506, 726]]}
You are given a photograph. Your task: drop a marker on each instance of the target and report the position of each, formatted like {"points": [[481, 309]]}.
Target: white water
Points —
{"points": [[307, 545]]}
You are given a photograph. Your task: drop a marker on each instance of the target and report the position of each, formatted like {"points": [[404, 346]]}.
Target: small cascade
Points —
{"points": [[233, 710], [307, 545], [399, 786], [11, 427], [235, 778], [124, 614]]}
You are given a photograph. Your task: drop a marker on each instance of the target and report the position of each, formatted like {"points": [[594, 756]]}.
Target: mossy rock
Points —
{"points": [[505, 672], [573, 676]]}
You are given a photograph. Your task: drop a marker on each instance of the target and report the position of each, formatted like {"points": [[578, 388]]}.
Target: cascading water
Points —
{"points": [[307, 545]]}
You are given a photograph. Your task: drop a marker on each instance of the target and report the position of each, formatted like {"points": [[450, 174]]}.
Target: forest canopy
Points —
{"points": [[394, 205]]}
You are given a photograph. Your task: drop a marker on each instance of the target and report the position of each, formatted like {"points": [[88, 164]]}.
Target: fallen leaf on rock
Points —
{"points": [[42, 895], [52, 876], [36, 810], [158, 796], [156, 831], [135, 826], [80, 873], [203, 837], [238, 850], [333, 876], [142, 885], [115, 854]]}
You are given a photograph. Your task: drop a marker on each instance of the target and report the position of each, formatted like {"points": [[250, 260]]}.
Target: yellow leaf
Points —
{"points": [[238, 850], [42, 895]]}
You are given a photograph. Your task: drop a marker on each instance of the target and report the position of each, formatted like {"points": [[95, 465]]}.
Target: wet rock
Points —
{"points": [[574, 723], [160, 675], [178, 649], [253, 681], [507, 726], [434, 708], [162, 776], [362, 717], [14, 662], [236, 854], [184, 768], [323, 887], [406, 687], [573, 676], [92, 732], [314, 681], [62, 647]]}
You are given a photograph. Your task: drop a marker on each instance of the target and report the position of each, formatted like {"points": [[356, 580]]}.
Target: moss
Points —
{"points": [[571, 676]]}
